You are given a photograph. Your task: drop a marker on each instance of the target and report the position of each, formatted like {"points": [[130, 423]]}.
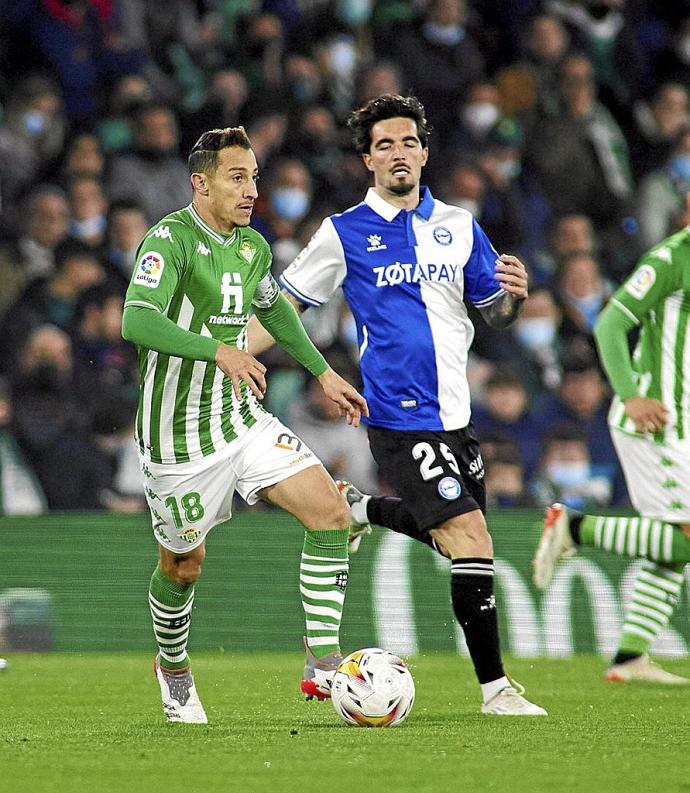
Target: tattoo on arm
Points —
{"points": [[503, 311]]}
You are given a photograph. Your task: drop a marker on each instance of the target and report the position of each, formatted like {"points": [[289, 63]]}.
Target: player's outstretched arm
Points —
{"points": [[351, 403], [512, 277]]}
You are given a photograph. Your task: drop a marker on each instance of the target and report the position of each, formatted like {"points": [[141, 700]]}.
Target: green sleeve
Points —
{"points": [[283, 323], [148, 328], [611, 335]]}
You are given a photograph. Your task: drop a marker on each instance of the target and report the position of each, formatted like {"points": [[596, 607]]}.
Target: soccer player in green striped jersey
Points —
{"points": [[201, 429], [650, 426]]}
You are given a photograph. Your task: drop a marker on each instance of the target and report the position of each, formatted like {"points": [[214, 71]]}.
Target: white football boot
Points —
{"points": [[510, 702], [181, 703], [641, 669], [555, 544], [357, 530]]}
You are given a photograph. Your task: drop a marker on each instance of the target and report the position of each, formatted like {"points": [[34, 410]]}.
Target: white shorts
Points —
{"points": [[188, 499], [657, 475]]}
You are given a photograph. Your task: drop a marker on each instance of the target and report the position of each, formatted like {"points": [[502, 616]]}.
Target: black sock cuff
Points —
{"points": [[475, 566]]}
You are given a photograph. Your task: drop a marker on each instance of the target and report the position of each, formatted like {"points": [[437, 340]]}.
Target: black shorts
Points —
{"points": [[438, 475]]}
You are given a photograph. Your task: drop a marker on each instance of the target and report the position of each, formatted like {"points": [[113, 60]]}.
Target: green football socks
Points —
{"points": [[323, 580], [171, 611], [637, 537]]}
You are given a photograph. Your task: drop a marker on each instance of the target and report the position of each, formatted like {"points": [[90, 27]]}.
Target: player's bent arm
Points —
{"points": [[258, 338], [281, 323], [503, 311], [611, 335], [147, 327]]}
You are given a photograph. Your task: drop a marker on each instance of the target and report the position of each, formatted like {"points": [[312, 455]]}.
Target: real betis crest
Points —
{"points": [[247, 252]]}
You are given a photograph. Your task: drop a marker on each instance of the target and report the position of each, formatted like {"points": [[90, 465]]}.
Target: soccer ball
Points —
{"points": [[373, 688]]}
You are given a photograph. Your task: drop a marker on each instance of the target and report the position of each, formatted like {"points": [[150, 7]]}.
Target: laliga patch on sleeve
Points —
{"points": [[641, 281], [149, 269]]}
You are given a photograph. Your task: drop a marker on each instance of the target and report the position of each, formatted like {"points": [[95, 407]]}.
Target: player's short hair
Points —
{"points": [[381, 108], [203, 158]]}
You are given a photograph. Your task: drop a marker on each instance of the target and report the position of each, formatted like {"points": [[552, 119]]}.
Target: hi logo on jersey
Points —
{"points": [[375, 243], [163, 233], [150, 269]]}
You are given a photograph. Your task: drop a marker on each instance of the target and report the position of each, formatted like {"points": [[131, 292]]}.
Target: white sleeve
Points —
{"points": [[319, 269]]}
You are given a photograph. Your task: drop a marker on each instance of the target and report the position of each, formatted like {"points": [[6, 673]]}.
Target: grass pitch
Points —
{"points": [[92, 722]]}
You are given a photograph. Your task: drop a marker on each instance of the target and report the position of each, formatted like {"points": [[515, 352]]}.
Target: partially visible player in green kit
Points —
{"points": [[650, 426], [201, 430]]}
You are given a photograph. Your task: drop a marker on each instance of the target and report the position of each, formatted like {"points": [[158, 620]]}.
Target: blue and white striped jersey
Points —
{"points": [[404, 275]]}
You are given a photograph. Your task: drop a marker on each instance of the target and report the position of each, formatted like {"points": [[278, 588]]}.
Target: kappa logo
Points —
{"points": [[203, 250], [375, 243], [163, 233]]}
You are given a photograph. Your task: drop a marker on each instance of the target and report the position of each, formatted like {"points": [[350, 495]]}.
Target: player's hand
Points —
{"points": [[351, 403], [512, 275], [240, 365], [648, 415]]}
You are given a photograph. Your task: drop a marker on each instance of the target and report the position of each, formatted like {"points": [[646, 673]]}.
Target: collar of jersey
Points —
{"points": [[216, 235], [388, 212]]}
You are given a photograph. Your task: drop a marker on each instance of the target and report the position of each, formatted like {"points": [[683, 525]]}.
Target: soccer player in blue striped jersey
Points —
{"points": [[405, 261]]}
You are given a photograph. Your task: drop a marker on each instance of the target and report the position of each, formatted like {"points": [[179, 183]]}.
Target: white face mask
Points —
{"points": [[343, 57], [479, 117], [535, 332], [568, 474], [509, 169], [91, 227]]}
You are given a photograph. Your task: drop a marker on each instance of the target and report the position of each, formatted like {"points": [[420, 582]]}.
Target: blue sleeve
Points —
{"points": [[481, 286]]}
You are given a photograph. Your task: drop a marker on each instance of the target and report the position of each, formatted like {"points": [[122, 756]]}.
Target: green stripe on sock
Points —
{"points": [[175, 606], [636, 537]]}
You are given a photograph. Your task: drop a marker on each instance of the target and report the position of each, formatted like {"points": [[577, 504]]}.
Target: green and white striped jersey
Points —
{"points": [[205, 282], [657, 297]]}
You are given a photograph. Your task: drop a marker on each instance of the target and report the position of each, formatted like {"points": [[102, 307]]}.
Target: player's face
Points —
{"points": [[232, 187], [396, 156]]}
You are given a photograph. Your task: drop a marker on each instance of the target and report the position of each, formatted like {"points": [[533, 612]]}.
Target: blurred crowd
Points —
{"points": [[562, 125]]}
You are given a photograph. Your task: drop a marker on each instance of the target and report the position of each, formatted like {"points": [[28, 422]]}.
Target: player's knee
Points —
{"points": [[184, 570], [334, 513]]}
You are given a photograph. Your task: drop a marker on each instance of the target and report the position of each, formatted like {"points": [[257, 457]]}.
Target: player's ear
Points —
{"points": [[199, 183], [425, 156], [367, 161]]}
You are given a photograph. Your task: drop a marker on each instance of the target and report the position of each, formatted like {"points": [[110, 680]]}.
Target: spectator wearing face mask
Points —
{"points": [[566, 472], [89, 208], [515, 212], [288, 201], [441, 60], [582, 291], [504, 479], [662, 193]]}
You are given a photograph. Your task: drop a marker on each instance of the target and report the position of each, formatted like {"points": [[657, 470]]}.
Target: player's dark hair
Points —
{"points": [[381, 108], [203, 158]]}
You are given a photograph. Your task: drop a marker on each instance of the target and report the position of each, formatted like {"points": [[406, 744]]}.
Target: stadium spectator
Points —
{"points": [[50, 426], [32, 133], [89, 208], [126, 227], [582, 401], [566, 473], [507, 412], [658, 123], [49, 300], [506, 486], [45, 222], [582, 292], [441, 60], [289, 196], [153, 174], [84, 156], [662, 193], [20, 491], [580, 154]]}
